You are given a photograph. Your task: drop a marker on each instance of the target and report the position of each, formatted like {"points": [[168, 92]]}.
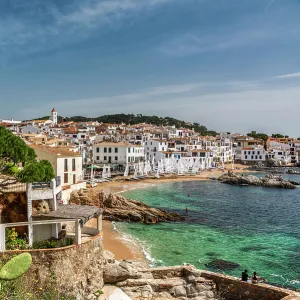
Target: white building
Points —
{"points": [[280, 154], [54, 116], [154, 149], [66, 164], [117, 153], [253, 155]]}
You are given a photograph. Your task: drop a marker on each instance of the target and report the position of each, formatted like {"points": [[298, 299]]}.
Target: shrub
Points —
{"points": [[47, 244], [13, 241]]}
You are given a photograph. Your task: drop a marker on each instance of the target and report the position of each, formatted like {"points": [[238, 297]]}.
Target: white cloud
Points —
{"points": [[286, 76], [45, 26]]}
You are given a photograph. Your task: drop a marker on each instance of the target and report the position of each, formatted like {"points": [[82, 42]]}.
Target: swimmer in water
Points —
{"points": [[186, 209]]}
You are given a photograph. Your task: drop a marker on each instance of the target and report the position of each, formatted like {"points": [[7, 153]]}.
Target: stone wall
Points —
{"points": [[78, 269], [233, 289]]}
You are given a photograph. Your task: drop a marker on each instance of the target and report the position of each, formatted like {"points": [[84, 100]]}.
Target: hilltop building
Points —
{"points": [[54, 116]]}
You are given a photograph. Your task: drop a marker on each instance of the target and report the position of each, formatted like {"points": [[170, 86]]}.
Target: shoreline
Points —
{"points": [[117, 242], [121, 185]]}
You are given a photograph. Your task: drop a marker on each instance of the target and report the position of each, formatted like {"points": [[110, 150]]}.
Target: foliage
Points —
{"points": [[139, 118], [23, 289], [46, 244], [261, 136], [277, 136], [13, 150], [68, 241], [13, 241], [10, 169], [36, 171], [16, 267]]}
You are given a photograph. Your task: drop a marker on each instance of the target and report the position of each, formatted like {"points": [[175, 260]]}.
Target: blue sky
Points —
{"points": [[232, 65]]}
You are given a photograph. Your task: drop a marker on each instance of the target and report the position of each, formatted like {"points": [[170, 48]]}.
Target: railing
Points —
{"points": [[46, 185], [78, 226]]}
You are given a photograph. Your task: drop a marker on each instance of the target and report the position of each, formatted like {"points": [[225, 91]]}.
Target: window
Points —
{"points": [[97, 150], [255, 156], [66, 165], [258, 152], [116, 158], [260, 157], [246, 157], [116, 150], [105, 157], [73, 165], [245, 152], [163, 148], [128, 150], [74, 178], [109, 150], [105, 150], [66, 177], [128, 159], [251, 156], [253, 152], [97, 158], [248, 152]]}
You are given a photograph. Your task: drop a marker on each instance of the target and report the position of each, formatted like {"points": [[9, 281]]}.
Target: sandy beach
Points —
{"points": [[122, 185], [116, 242]]}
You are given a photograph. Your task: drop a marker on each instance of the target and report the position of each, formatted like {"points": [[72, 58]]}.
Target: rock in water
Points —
{"points": [[268, 181], [224, 265]]}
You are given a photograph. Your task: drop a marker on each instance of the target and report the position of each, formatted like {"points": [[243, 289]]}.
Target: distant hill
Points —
{"points": [[139, 118]]}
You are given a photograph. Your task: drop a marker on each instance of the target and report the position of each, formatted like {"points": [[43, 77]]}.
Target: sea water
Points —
{"points": [[254, 227]]}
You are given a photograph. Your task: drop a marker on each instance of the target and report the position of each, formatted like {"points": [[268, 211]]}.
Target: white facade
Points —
{"points": [[117, 153], [54, 116], [154, 149], [280, 154], [253, 155], [66, 164]]}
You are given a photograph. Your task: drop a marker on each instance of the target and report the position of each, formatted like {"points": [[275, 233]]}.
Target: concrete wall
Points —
{"points": [[42, 232], [78, 269]]}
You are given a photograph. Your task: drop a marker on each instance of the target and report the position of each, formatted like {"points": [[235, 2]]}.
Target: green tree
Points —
{"points": [[36, 171], [13, 150], [277, 136]]}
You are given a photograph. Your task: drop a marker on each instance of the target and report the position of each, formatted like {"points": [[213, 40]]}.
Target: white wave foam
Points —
{"points": [[139, 244]]}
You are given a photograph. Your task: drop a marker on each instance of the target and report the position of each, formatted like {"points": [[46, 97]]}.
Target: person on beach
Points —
{"points": [[254, 278], [186, 210], [245, 275]]}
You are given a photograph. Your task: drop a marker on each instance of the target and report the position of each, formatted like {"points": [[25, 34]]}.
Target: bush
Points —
{"points": [[13, 241], [47, 244]]}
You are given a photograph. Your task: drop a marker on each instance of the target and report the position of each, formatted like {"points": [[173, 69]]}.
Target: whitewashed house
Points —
{"points": [[66, 164], [154, 149], [117, 153], [253, 155]]}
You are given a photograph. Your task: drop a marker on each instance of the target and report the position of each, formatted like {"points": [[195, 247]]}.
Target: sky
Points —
{"points": [[231, 65]]}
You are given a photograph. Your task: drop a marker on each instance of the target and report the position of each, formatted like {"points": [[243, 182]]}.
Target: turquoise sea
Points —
{"points": [[256, 228]]}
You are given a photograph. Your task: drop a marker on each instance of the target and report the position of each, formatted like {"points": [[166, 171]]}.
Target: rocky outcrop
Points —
{"points": [[183, 282], [268, 181], [118, 208]]}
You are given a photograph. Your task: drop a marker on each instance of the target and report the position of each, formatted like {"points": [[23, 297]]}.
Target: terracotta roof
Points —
{"points": [[56, 151]]}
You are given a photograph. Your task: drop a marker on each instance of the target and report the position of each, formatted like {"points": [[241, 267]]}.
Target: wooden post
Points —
{"points": [[77, 232], [99, 222]]}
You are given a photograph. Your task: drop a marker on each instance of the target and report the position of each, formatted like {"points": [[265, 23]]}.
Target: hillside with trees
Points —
{"points": [[14, 153], [139, 118]]}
